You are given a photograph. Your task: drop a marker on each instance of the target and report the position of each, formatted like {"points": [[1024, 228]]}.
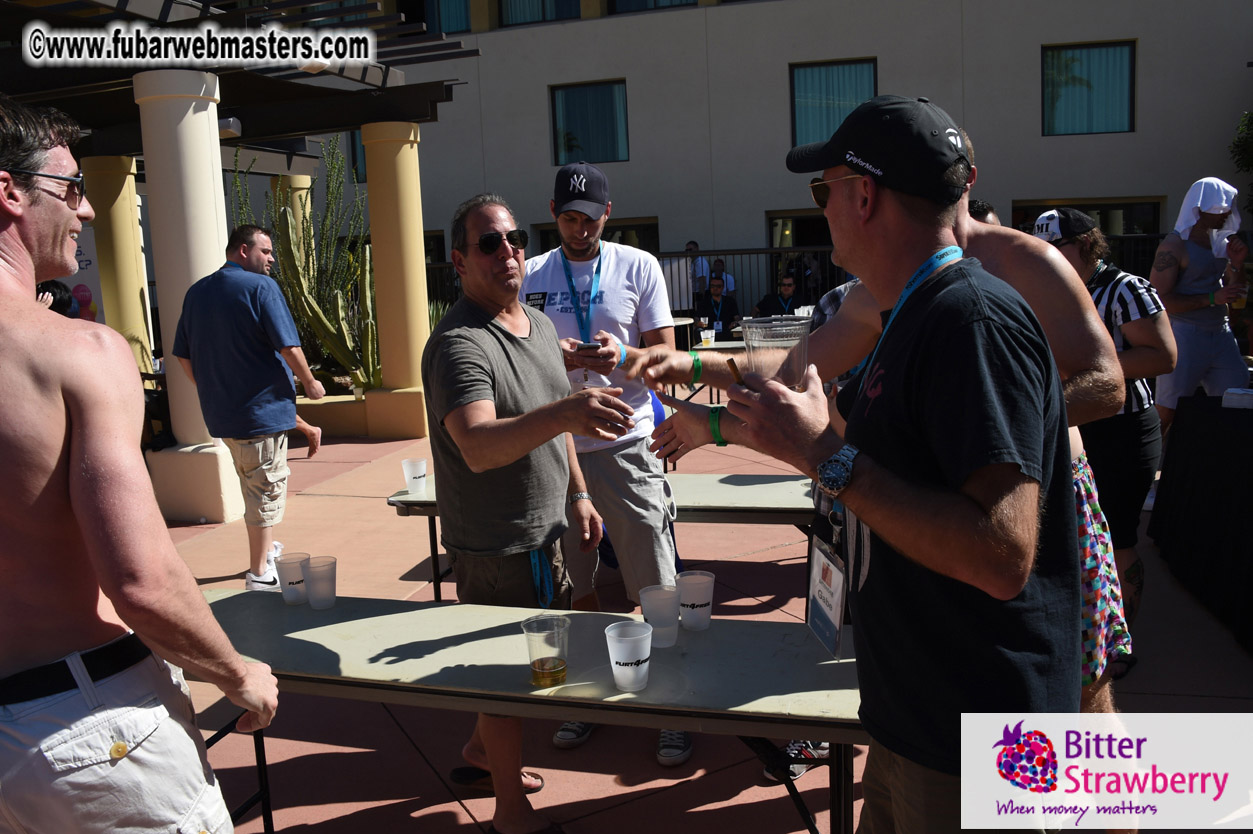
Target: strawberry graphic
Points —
{"points": [[1027, 760]]}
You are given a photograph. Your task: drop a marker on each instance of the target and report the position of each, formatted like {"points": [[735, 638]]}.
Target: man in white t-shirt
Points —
{"points": [[614, 296]]}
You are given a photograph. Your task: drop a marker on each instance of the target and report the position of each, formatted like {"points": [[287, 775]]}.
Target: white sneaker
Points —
{"points": [[267, 581]]}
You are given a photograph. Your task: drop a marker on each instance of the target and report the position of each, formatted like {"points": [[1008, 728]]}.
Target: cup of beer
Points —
{"points": [[547, 643]]}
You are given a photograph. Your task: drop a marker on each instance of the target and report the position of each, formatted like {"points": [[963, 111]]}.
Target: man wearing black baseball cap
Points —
{"points": [[945, 525]]}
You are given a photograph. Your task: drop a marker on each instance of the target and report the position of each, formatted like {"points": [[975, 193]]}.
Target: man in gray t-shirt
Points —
{"points": [[500, 421]]}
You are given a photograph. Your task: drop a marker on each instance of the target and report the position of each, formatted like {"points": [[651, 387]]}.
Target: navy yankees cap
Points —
{"points": [[581, 186], [905, 144]]}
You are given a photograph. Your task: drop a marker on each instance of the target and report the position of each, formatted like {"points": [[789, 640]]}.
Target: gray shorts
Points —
{"points": [[508, 580], [261, 464], [120, 754], [629, 490], [1206, 357]]}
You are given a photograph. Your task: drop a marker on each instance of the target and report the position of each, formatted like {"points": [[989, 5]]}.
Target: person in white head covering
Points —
{"points": [[1198, 271]]}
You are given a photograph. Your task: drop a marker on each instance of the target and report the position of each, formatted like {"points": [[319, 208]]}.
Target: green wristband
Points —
{"points": [[1211, 299], [696, 368], [715, 419]]}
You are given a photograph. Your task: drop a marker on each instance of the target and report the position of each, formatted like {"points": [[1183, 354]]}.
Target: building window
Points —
{"points": [[1088, 89], [447, 16], [622, 6], [515, 12], [823, 94], [590, 123]]}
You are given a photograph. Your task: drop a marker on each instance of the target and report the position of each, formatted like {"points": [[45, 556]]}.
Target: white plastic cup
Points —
{"points": [[778, 348], [696, 598], [415, 474], [320, 581], [547, 641], [707, 338], [630, 644], [291, 577], [660, 604]]}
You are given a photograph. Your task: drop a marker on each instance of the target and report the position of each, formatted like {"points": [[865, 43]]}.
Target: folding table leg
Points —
{"points": [[436, 573]]}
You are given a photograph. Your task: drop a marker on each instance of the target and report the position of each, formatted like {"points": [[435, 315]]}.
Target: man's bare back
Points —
{"points": [[50, 367]]}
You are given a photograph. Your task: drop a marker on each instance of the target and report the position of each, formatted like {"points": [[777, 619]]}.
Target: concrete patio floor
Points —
{"points": [[352, 766]]}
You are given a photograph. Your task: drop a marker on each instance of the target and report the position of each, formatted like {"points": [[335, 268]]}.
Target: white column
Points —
{"points": [[178, 117]]}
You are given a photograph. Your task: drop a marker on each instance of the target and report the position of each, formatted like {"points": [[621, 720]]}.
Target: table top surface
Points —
{"points": [[692, 492], [478, 651], [683, 321], [728, 346]]}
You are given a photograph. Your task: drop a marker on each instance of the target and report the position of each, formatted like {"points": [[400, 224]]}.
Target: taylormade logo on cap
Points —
{"points": [[853, 159]]}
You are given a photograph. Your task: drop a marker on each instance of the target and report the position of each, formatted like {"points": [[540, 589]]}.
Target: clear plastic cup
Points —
{"points": [[630, 644], [320, 581], [706, 338], [778, 348], [660, 604], [291, 577], [547, 642], [696, 598]]}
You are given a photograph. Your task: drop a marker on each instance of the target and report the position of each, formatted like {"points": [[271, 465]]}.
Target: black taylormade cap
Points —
{"points": [[581, 186], [905, 144]]}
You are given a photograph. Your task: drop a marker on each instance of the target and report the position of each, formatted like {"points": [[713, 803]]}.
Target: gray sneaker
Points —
{"points": [[674, 747], [572, 734]]}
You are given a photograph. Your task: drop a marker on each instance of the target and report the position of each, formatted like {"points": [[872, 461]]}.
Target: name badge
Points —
{"points": [[717, 327]]}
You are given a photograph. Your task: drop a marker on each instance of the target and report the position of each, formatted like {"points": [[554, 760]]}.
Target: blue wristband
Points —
{"points": [[622, 359]]}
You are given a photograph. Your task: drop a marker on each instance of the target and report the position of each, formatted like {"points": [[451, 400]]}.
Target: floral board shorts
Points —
{"points": [[1104, 630]]}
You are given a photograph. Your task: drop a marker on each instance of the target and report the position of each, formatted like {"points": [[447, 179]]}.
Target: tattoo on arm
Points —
{"points": [[1165, 261]]}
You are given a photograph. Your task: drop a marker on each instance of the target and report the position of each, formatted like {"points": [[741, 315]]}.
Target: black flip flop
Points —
{"points": [[478, 779]]}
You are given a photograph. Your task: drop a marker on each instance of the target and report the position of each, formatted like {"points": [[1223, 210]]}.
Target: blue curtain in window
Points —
{"points": [[1088, 89], [448, 15], [590, 123], [823, 94], [513, 12], [619, 6]]}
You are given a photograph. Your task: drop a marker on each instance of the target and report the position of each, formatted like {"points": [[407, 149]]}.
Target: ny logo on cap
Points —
{"points": [[578, 182]]}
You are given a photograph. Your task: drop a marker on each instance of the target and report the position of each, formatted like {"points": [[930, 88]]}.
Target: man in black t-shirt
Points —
{"points": [[954, 470], [783, 303]]}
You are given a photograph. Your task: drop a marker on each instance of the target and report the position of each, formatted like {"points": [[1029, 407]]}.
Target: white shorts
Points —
{"points": [[121, 755]]}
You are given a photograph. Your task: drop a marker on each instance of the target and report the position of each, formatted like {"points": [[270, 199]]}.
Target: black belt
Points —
{"points": [[54, 678]]}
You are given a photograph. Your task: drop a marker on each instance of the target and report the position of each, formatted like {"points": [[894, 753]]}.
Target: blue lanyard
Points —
{"points": [[584, 321], [716, 310], [786, 307], [542, 578], [939, 259]]}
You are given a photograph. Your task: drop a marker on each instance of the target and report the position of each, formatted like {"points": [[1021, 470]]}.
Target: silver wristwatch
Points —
{"points": [[835, 472]]}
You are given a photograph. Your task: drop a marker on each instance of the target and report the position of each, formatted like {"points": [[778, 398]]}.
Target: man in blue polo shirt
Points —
{"points": [[238, 335]]}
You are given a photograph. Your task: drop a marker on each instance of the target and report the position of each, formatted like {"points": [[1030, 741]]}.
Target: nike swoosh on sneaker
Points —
{"points": [[273, 581]]}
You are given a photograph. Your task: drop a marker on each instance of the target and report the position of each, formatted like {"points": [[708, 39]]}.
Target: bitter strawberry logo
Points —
{"points": [[1027, 760]]}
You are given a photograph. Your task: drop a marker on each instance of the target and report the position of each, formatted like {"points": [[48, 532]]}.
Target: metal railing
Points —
{"points": [[757, 271]]}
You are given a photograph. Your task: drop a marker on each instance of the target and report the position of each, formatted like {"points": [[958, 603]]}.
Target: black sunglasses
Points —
{"points": [[490, 242], [74, 195]]}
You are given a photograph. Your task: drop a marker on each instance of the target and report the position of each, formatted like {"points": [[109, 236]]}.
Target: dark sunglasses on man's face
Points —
{"points": [[74, 192], [490, 242]]}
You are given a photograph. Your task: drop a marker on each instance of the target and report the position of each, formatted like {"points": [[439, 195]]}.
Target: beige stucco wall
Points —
{"points": [[709, 103]]}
